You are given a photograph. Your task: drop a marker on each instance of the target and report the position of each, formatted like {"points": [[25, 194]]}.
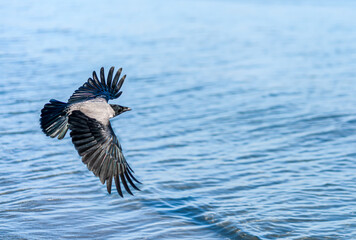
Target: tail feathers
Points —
{"points": [[54, 121]]}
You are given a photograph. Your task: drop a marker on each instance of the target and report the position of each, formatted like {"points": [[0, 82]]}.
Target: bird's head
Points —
{"points": [[119, 109]]}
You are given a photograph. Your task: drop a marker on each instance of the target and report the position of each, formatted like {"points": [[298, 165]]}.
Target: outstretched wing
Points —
{"points": [[101, 151], [109, 89]]}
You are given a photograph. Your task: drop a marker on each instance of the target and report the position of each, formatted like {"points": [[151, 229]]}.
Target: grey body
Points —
{"points": [[97, 108]]}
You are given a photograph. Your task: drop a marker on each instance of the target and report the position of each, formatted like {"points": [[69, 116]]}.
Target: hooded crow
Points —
{"points": [[87, 114]]}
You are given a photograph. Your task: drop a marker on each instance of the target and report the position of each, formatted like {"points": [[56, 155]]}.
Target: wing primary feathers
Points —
{"points": [[104, 169], [118, 87], [118, 95], [117, 183], [102, 77], [131, 175], [96, 80], [130, 181], [110, 77], [92, 82], [93, 88], [125, 183], [99, 163], [108, 184], [99, 158], [130, 168], [91, 85], [111, 168], [91, 157], [116, 78]]}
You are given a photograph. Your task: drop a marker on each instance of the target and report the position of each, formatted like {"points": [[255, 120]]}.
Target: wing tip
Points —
{"points": [[108, 184], [108, 87]]}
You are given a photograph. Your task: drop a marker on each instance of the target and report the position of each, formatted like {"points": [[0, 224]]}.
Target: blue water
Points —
{"points": [[243, 123]]}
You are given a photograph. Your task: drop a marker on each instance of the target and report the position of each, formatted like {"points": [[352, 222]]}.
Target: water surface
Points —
{"points": [[243, 123]]}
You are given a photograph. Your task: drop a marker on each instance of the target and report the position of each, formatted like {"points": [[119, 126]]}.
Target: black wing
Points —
{"points": [[101, 151], [109, 89]]}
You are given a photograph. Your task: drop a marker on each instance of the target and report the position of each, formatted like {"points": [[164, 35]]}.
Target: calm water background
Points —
{"points": [[244, 121]]}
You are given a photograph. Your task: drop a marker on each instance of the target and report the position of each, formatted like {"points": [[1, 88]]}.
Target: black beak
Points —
{"points": [[125, 109]]}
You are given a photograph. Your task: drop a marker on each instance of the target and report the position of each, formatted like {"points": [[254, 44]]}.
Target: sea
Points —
{"points": [[243, 121]]}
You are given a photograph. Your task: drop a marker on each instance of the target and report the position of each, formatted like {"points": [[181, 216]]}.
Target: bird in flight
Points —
{"points": [[87, 114]]}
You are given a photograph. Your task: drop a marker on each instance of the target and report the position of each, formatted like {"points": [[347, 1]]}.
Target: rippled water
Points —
{"points": [[243, 123]]}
